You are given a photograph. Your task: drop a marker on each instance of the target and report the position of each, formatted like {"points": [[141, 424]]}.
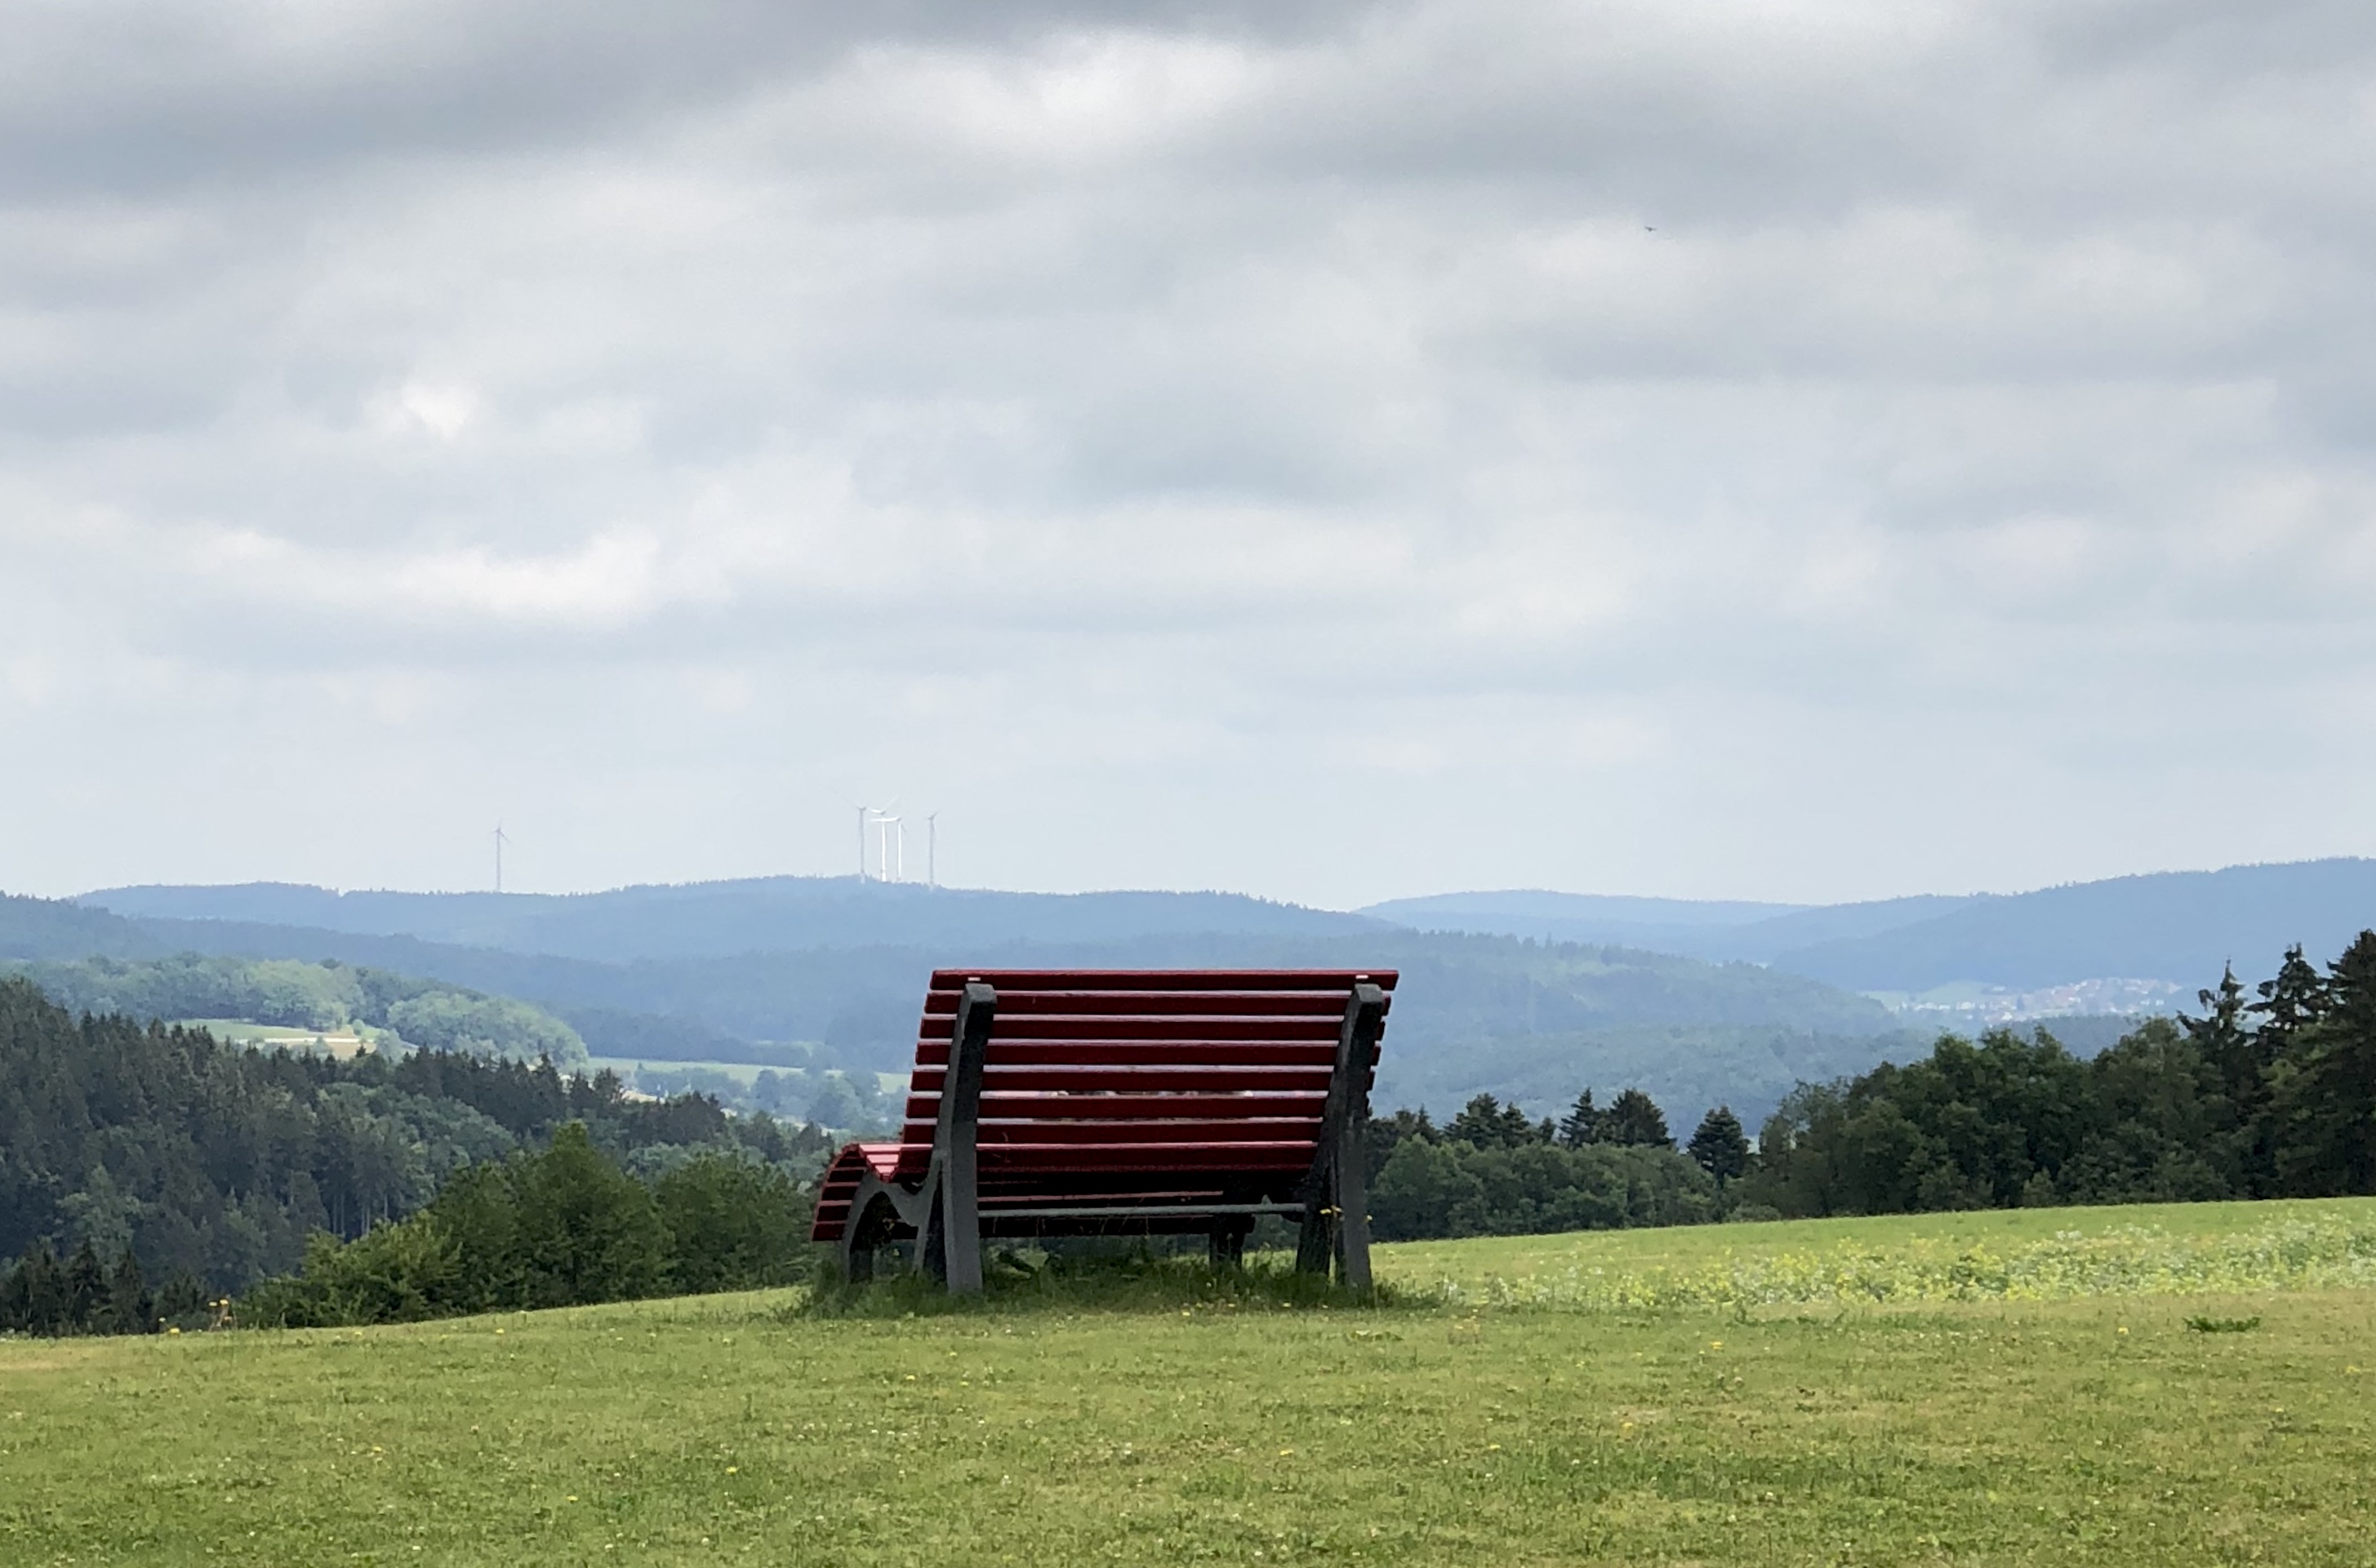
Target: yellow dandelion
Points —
{"points": [[1285, 1452], [733, 1469]]}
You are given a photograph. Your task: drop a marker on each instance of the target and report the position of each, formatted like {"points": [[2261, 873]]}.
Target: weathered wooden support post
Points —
{"points": [[1336, 1194], [950, 1238]]}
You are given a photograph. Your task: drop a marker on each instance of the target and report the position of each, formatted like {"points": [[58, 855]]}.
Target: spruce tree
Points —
{"points": [[1634, 1118], [127, 1298], [2225, 1040], [1581, 1125], [44, 1286], [1483, 1123], [86, 1293], [1719, 1145], [2323, 1088], [2288, 1004]]}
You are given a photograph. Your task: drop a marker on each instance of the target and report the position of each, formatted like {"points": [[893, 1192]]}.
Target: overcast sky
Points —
{"points": [[1802, 451]]}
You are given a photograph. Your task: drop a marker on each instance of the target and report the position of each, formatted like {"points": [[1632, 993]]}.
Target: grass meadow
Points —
{"points": [[2135, 1385]]}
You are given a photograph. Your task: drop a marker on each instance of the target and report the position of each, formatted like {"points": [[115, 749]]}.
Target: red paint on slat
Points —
{"points": [[1269, 1130], [1336, 980], [1125, 1053]]}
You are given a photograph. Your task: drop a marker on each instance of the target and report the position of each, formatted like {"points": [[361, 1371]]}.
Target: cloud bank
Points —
{"points": [[1802, 452]]}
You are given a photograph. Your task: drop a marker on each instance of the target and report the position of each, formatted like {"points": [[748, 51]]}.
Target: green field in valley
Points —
{"points": [[1952, 1389]]}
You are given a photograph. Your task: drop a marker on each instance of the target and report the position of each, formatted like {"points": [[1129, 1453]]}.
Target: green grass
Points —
{"points": [[1163, 1423]]}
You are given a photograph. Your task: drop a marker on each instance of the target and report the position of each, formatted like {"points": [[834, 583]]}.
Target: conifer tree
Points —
{"points": [[1486, 1122], [1634, 1118], [2226, 1042], [1719, 1145], [127, 1298], [86, 1295], [2323, 1088], [2288, 1004], [1582, 1124]]}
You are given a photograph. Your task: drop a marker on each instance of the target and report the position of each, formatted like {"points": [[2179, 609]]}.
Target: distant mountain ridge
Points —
{"points": [[2179, 926], [720, 919], [1718, 931], [2174, 926]]}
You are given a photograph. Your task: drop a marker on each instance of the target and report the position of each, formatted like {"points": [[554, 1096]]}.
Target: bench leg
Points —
{"points": [[868, 1222], [1316, 1240], [1227, 1242]]}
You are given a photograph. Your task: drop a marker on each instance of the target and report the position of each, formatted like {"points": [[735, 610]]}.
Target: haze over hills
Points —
{"points": [[720, 919], [1533, 994], [1721, 931], [1549, 1021], [2172, 926]]}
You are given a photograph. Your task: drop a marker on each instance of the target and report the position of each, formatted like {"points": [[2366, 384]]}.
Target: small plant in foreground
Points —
{"points": [[2223, 1324]]}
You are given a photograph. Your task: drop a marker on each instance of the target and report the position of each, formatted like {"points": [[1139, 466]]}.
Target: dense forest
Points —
{"points": [[2272, 1097], [396, 1011], [193, 1157]]}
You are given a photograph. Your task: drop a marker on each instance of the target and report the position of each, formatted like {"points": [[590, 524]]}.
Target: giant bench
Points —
{"points": [[1123, 1103]]}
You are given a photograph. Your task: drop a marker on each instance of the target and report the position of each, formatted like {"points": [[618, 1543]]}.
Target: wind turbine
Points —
{"points": [[891, 846], [932, 849], [501, 840]]}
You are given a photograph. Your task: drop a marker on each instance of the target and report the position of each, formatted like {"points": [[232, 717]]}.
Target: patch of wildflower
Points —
{"points": [[2136, 1260]]}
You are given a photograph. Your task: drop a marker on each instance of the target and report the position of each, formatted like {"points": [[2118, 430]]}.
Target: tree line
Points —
{"points": [[194, 1158], [2268, 1095], [1493, 1170], [562, 1226]]}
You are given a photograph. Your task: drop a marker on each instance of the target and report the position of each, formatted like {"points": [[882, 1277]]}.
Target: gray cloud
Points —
{"points": [[1334, 451]]}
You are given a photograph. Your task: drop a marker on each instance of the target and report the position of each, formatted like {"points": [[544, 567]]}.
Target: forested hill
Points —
{"points": [[392, 1011], [721, 919], [219, 1162], [2176, 926], [1493, 1014], [52, 928]]}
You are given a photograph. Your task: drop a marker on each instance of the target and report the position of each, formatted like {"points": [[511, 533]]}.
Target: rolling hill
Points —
{"points": [[2179, 926], [1476, 1014], [700, 920]]}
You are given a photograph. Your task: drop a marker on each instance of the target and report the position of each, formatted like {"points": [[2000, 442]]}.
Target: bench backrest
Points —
{"points": [[1167, 1100], [1105, 1071]]}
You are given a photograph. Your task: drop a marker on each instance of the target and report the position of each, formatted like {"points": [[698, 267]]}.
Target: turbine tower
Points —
{"points": [[500, 841], [932, 849]]}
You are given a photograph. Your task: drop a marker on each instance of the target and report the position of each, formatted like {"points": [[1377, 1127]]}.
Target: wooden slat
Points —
{"points": [[1188, 1032], [1141, 1080], [1116, 1107], [1166, 1157], [1176, 1004], [1338, 980], [1122, 1054], [1278, 1129]]}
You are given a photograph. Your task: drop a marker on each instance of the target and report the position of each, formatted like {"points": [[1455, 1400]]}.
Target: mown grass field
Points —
{"points": [[1584, 1419]]}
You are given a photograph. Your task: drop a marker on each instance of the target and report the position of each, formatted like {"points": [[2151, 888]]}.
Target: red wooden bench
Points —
{"points": [[1123, 1103]]}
